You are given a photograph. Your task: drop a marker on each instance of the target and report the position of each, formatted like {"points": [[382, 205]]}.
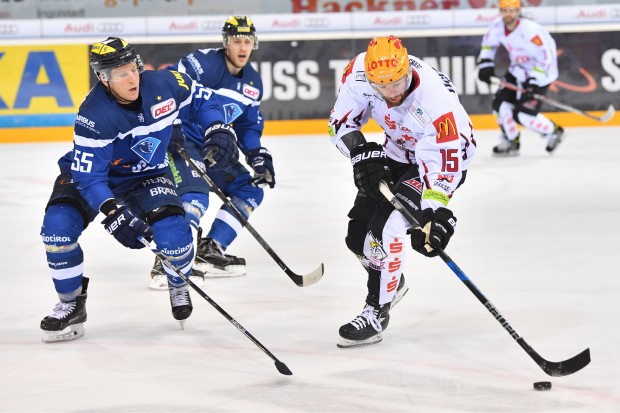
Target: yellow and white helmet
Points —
{"points": [[509, 4], [386, 60]]}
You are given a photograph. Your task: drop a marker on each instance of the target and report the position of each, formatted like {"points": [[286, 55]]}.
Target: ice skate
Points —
{"points": [[159, 279], [67, 320], [400, 292], [181, 303], [507, 147], [554, 138], [366, 328], [213, 263]]}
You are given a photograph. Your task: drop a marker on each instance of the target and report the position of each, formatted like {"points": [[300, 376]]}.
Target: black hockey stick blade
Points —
{"points": [[561, 368], [283, 369]]}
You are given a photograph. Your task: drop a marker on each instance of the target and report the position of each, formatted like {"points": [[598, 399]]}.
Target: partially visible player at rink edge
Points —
{"points": [[119, 167], [429, 144], [533, 67], [227, 72]]}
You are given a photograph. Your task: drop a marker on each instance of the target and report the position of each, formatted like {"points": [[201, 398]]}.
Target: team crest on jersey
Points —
{"points": [[231, 112], [250, 91], [163, 108], [146, 148], [536, 40], [446, 128]]}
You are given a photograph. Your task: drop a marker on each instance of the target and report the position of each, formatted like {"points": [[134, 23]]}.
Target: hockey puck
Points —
{"points": [[542, 385]]}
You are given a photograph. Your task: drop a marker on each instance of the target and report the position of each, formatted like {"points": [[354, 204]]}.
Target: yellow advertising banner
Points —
{"points": [[42, 85]]}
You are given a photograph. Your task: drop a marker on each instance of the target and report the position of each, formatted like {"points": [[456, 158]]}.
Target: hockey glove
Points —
{"points": [[435, 231], [486, 70], [369, 168], [177, 137], [261, 161], [220, 148], [126, 228], [530, 89]]}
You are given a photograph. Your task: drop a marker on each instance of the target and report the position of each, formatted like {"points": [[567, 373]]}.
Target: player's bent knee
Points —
{"points": [[356, 234], [62, 226]]}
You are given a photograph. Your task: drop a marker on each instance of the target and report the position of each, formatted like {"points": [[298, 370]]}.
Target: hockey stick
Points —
{"points": [[611, 111], [302, 280], [556, 369], [279, 365]]}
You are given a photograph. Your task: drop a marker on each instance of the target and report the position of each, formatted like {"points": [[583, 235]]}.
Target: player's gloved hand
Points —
{"points": [[369, 168], [436, 228], [486, 70], [530, 89], [177, 137], [262, 163], [220, 148], [126, 228]]}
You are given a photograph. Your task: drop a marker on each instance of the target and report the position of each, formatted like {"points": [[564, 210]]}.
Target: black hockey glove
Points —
{"points": [[126, 228], [177, 137], [529, 90], [435, 231], [220, 148], [261, 161], [369, 168], [486, 70]]}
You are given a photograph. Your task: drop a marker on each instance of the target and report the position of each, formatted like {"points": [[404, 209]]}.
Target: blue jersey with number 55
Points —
{"points": [[116, 146]]}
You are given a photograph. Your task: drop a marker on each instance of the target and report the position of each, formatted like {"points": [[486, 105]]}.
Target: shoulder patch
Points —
{"points": [[536, 40], [446, 128], [348, 69]]}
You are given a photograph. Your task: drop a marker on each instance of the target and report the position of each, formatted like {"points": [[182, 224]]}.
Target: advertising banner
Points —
{"points": [[42, 85], [300, 77]]}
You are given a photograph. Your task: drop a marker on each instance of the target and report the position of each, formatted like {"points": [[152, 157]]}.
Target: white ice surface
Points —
{"points": [[538, 234]]}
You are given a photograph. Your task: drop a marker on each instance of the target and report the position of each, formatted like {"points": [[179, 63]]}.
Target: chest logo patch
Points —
{"points": [[164, 108], [146, 148], [231, 112]]}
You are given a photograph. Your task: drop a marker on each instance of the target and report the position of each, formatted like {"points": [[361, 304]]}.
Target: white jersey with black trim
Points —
{"points": [[429, 128], [531, 48]]}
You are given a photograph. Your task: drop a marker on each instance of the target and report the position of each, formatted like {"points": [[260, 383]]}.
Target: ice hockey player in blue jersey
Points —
{"points": [[119, 166], [239, 87]]}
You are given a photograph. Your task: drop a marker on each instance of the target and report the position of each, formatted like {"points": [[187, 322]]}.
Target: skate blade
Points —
{"points": [[399, 296], [229, 271], [505, 155], [73, 332], [344, 343]]}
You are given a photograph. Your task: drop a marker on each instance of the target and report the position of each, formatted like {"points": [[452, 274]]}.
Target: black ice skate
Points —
{"points": [[554, 138], [159, 279], [181, 303], [66, 322], [507, 148], [213, 263], [366, 328]]}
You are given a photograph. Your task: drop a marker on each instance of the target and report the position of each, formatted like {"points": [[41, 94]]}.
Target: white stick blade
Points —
{"points": [[611, 111], [314, 276]]}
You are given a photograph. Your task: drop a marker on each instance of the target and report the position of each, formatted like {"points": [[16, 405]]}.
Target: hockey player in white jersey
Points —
{"points": [[119, 167], [239, 87], [533, 67], [429, 144]]}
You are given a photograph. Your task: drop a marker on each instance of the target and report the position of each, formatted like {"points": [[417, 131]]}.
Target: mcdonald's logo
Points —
{"points": [[446, 128]]}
